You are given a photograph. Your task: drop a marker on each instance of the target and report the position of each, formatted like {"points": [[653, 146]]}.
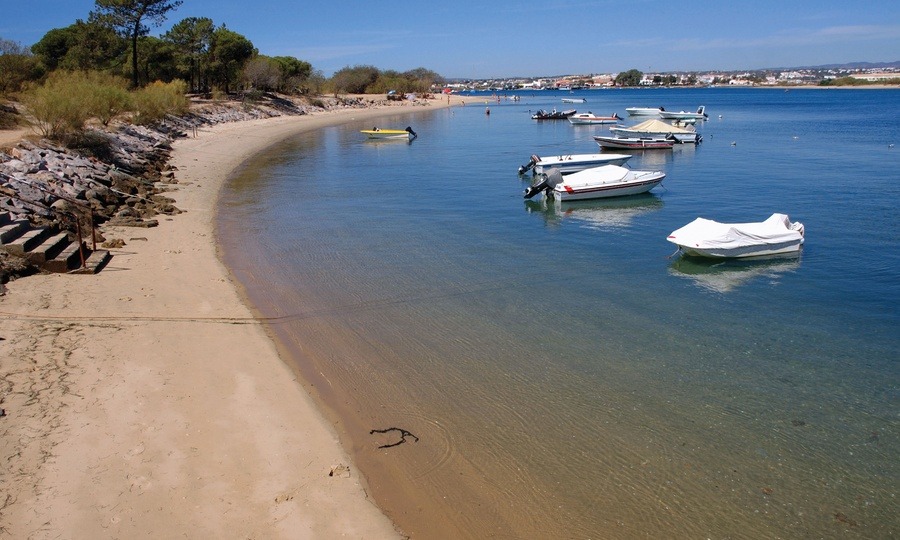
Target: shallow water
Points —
{"points": [[566, 377]]}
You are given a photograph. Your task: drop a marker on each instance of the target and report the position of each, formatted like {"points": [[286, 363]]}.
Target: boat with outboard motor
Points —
{"points": [[707, 238], [382, 134], [594, 183], [657, 129], [685, 115], [635, 143], [572, 163]]}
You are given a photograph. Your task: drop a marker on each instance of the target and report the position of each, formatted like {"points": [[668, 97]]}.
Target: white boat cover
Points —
{"points": [[658, 126], [708, 234], [605, 174]]}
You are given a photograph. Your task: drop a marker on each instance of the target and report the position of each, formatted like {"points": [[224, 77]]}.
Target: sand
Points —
{"points": [[146, 400]]}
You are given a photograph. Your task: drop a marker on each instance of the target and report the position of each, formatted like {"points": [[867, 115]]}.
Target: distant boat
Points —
{"points": [[376, 133], [573, 100], [553, 114], [708, 238], [595, 183], [590, 118], [635, 143], [684, 115], [643, 111], [572, 163]]}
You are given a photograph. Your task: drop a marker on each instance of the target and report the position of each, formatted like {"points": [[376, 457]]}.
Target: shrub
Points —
{"points": [[110, 96], [153, 102], [60, 105]]}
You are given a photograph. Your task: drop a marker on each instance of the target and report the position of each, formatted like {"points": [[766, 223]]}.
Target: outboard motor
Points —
{"points": [[411, 132], [531, 163], [545, 182]]}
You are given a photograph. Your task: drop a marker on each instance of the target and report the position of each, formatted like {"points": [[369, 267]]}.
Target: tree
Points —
{"points": [[228, 53], [192, 38], [81, 46], [354, 80], [632, 77], [128, 16]]}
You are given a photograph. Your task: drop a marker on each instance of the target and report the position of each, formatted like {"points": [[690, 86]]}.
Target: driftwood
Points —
{"points": [[403, 435]]}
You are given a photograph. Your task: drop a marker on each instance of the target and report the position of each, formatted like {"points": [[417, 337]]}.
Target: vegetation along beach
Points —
{"points": [[254, 286]]}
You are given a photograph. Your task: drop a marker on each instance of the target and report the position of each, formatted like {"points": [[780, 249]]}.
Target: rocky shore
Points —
{"points": [[119, 176]]}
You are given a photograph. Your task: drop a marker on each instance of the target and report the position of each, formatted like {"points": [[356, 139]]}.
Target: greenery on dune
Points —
{"points": [[109, 65], [853, 81]]}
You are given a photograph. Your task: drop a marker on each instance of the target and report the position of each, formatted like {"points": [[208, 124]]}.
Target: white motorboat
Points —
{"points": [[643, 111], [594, 183], [573, 100], [377, 133], [685, 115], [708, 238], [572, 162], [657, 129], [591, 118]]}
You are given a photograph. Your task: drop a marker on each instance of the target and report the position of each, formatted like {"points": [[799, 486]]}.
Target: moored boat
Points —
{"points": [[553, 114], [572, 163], [573, 100], [643, 111], [635, 143], [594, 183], [707, 238], [377, 133], [657, 129], [591, 118], [685, 115]]}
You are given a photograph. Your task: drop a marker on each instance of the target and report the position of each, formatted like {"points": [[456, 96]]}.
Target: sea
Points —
{"points": [[508, 368]]}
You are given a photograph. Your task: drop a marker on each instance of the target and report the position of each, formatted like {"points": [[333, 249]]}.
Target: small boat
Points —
{"points": [[376, 133], [594, 183], [643, 111], [590, 118], [708, 238], [657, 129], [635, 143], [553, 114], [572, 162], [685, 115], [573, 100]]}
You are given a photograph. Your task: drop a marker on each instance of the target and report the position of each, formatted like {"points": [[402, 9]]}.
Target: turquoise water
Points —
{"points": [[566, 376]]}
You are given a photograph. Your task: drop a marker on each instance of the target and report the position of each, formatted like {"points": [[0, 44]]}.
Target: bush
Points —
{"points": [[60, 105], [68, 99], [153, 102]]}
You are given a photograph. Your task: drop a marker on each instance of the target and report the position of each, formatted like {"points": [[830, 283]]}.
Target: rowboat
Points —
{"points": [[572, 163], [590, 118], [377, 133], [595, 183], [634, 143], [707, 238]]}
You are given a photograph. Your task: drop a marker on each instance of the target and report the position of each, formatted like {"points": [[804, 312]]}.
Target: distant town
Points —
{"points": [[883, 74]]}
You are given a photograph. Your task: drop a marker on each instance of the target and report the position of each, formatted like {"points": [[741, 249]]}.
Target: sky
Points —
{"points": [[525, 38]]}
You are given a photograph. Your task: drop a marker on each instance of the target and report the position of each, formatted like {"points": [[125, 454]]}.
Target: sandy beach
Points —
{"points": [[147, 401]]}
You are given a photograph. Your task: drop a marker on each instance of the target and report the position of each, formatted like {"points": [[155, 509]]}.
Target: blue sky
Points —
{"points": [[503, 38]]}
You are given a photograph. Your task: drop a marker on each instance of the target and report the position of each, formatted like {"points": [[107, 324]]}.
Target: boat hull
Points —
{"points": [[382, 134], [642, 111], [584, 120], [793, 246], [635, 143], [681, 138], [604, 182]]}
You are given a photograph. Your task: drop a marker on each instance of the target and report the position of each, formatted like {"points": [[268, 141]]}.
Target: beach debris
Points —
{"points": [[767, 491], [840, 517], [340, 470], [798, 423], [403, 435]]}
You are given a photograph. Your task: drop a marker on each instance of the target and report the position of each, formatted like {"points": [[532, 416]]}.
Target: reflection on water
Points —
{"points": [[612, 213], [724, 276]]}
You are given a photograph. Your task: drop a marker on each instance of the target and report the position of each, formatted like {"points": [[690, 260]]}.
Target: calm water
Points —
{"points": [[566, 377]]}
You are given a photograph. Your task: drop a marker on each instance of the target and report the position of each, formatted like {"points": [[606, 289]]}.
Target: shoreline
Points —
{"points": [[149, 400]]}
